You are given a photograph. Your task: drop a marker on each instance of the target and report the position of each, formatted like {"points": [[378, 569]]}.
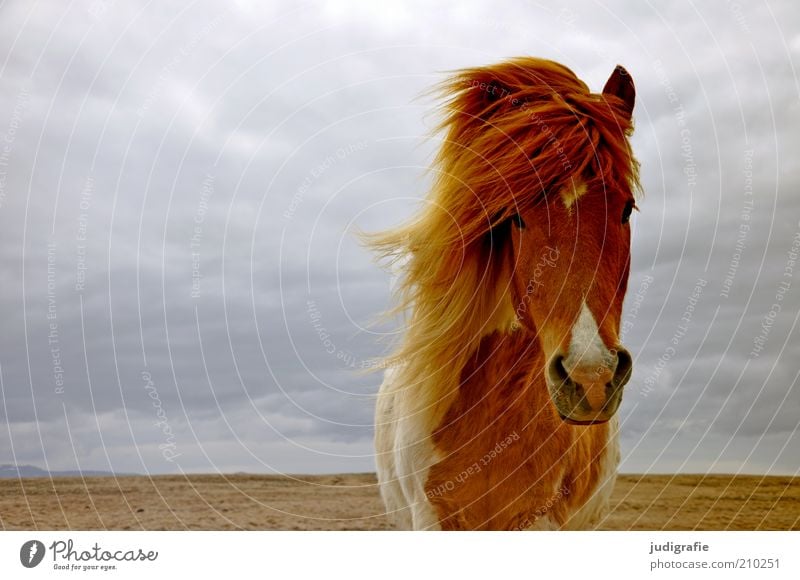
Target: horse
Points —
{"points": [[497, 407]]}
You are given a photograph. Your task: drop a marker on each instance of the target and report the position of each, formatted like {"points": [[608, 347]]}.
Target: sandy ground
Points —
{"points": [[351, 502]]}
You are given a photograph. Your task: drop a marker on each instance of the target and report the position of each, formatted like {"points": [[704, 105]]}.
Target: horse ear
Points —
{"points": [[620, 84], [495, 91], [486, 97]]}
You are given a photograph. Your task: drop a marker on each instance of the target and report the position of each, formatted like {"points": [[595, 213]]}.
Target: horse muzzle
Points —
{"points": [[588, 396]]}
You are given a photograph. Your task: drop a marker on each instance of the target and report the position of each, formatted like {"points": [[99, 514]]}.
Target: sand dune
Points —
{"points": [[351, 502]]}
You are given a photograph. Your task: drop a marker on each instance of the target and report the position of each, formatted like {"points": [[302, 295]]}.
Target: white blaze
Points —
{"points": [[586, 347]]}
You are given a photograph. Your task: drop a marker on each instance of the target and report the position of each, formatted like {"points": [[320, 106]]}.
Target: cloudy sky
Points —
{"points": [[179, 189]]}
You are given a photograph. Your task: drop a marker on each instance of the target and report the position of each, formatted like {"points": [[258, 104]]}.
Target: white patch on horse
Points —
{"points": [[591, 513], [404, 457], [586, 347], [571, 193]]}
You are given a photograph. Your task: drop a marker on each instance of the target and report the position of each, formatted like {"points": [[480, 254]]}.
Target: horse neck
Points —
{"points": [[505, 372], [503, 422], [509, 358]]}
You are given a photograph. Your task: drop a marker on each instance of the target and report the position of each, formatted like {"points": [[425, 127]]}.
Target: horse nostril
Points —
{"points": [[622, 374], [558, 374]]}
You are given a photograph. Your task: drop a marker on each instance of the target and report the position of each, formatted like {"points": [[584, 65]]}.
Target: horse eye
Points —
{"points": [[518, 220], [626, 213]]}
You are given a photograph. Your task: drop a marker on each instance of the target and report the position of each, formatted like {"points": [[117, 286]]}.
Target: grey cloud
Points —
{"points": [[310, 124]]}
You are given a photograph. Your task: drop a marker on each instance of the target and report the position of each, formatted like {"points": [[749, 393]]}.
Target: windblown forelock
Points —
{"points": [[522, 130]]}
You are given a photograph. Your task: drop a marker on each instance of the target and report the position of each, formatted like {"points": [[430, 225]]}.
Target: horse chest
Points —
{"points": [[509, 462]]}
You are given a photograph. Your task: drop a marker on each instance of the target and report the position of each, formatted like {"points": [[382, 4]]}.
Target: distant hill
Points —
{"points": [[9, 471]]}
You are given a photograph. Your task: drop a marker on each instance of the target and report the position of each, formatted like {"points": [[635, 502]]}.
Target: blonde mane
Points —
{"points": [[513, 134]]}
